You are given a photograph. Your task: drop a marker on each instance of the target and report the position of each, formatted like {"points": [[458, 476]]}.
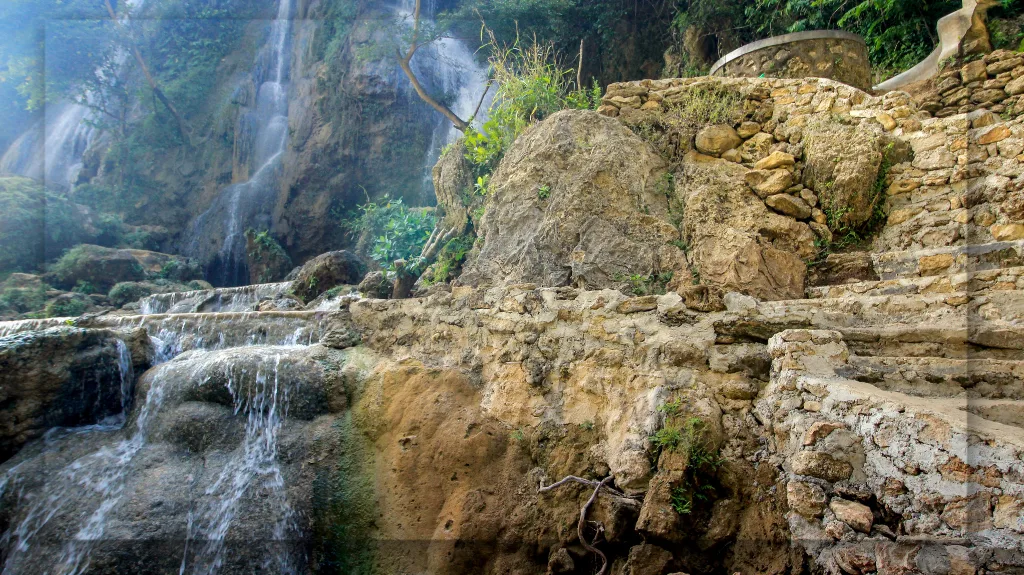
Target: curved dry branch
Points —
{"points": [[597, 485], [404, 62]]}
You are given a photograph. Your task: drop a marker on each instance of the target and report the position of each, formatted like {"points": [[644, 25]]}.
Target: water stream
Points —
{"points": [[249, 204]]}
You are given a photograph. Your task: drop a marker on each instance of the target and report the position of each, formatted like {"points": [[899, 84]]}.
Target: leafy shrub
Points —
{"points": [[17, 300], [688, 435], [394, 231], [450, 259], [35, 224], [267, 259], [127, 292], [532, 85]]}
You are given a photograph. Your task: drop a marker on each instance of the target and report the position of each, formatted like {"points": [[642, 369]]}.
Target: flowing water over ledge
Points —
{"points": [[238, 299], [246, 368]]}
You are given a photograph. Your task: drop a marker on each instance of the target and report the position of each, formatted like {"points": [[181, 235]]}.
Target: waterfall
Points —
{"points": [[102, 474], [56, 157], [249, 204], [252, 471], [255, 466], [51, 150]]}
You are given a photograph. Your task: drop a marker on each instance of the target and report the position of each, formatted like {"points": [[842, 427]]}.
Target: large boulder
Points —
{"points": [[327, 271], [576, 201], [102, 268], [735, 242], [842, 165], [63, 376]]}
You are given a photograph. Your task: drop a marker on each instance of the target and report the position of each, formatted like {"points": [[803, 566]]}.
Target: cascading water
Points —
{"points": [[52, 149], [249, 204], [254, 467]]}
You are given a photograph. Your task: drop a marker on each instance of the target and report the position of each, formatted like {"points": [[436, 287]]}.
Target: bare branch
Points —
{"points": [[404, 63], [583, 512], [152, 83], [476, 111]]}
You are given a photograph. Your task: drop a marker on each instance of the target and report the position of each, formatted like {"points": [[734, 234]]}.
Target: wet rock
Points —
{"points": [[63, 376], [267, 260], [327, 271]]}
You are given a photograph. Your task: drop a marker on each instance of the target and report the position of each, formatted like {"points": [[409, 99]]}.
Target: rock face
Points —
{"points": [[735, 242], [842, 166], [61, 377], [327, 271], [600, 221], [230, 428]]}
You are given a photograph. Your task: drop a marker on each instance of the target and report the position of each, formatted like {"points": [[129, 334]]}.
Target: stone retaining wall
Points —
{"points": [[994, 83], [821, 53]]}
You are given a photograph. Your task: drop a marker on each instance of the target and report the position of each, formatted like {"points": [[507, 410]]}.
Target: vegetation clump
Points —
{"points": [[531, 85], [688, 436]]}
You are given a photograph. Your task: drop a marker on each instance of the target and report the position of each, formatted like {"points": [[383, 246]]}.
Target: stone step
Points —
{"points": [[948, 260], [940, 377], [967, 282], [933, 325]]}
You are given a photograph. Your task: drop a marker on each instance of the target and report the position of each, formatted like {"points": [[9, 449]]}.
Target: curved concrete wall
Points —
{"points": [[834, 54]]}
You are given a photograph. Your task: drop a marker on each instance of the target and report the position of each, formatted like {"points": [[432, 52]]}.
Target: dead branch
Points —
{"points": [[404, 62], [583, 511]]}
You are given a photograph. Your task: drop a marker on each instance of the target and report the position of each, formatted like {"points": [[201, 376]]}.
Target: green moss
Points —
{"points": [[66, 306], [15, 301], [450, 259], [344, 500]]}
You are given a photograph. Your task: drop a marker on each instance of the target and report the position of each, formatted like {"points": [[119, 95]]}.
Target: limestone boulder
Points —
{"points": [[601, 218], [842, 164], [736, 243], [102, 267], [717, 139], [327, 271]]}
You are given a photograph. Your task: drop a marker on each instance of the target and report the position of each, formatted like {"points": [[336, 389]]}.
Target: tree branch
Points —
{"points": [[404, 63], [583, 512], [182, 129]]}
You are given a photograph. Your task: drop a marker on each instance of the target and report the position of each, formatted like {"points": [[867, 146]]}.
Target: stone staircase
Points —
{"points": [[971, 270]]}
